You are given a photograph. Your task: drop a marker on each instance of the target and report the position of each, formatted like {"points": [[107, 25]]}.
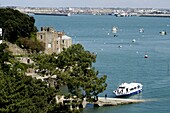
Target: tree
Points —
{"points": [[19, 28], [77, 63], [73, 66], [16, 24], [20, 93], [33, 45], [4, 58]]}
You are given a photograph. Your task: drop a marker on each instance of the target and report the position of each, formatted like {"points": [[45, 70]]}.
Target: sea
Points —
{"points": [[120, 55]]}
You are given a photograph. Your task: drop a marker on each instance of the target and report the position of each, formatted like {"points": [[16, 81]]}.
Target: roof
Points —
{"points": [[65, 37], [130, 84]]}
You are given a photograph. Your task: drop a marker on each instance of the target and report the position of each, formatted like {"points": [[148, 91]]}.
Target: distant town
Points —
{"points": [[122, 12]]}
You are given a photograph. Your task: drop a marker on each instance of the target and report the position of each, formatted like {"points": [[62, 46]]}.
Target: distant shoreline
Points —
{"points": [[53, 14]]}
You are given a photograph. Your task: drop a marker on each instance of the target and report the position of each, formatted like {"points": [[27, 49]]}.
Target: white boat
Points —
{"points": [[146, 56], [163, 33], [128, 89], [120, 46], [114, 29], [141, 30], [133, 40]]}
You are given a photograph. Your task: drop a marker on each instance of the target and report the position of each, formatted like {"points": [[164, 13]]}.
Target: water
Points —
{"points": [[127, 63]]}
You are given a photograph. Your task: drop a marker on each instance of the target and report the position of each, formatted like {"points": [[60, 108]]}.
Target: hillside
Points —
{"points": [[16, 50]]}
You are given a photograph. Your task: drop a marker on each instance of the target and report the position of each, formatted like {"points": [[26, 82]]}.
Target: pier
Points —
{"points": [[102, 101], [154, 15]]}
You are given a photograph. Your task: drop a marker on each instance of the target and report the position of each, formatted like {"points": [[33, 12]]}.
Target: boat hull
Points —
{"points": [[129, 94]]}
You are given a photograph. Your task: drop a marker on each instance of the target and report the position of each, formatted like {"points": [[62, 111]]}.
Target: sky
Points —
{"points": [[89, 3]]}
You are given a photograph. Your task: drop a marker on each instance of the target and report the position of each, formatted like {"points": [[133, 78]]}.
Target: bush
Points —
{"points": [[28, 44]]}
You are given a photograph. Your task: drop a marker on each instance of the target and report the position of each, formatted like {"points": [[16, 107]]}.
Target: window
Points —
{"points": [[41, 36], [138, 86], [28, 61], [49, 45]]}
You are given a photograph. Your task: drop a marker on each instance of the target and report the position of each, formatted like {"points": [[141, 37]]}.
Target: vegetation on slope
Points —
{"points": [[20, 93], [72, 67], [17, 26]]}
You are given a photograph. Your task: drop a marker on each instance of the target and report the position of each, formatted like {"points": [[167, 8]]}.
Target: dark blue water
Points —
{"points": [[124, 64]]}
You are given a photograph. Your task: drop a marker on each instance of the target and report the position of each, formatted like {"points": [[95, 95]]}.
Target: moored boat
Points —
{"points": [[141, 30], [146, 56], [163, 33], [128, 89], [114, 29], [133, 40]]}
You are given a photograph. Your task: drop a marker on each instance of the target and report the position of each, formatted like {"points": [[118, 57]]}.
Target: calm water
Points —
{"points": [[127, 63]]}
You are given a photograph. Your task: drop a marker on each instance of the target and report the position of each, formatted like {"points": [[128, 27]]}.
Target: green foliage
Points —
{"points": [[16, 24], [4, 58], [76, 55], [77, 63], [73, 67], [44, 61], [20, 93], [33, 45]]}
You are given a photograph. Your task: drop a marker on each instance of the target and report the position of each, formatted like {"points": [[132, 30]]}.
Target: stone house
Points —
{"points": [[54, 41]]}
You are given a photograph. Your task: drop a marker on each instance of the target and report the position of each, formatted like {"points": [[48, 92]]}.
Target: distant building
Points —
{"points": [[54, 41]]}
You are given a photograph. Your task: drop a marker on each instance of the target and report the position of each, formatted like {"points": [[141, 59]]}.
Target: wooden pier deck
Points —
{"points": [[102, 101]]}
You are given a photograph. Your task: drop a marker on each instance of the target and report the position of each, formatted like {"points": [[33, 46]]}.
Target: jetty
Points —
{"points": [[102, 101], [154, 15], [52, 14]]}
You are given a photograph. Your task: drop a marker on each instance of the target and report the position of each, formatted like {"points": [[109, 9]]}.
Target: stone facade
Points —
{"points": [[54, 41]]}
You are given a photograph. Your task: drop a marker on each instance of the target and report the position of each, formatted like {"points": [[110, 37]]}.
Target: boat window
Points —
{"points": [[122, 87], [131, 89]]}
